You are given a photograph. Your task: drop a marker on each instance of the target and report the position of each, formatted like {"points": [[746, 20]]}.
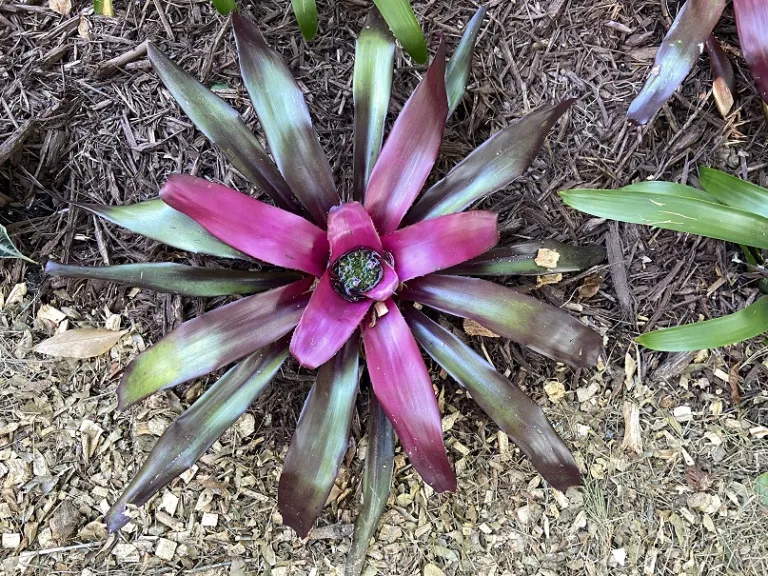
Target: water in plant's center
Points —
{"points": [[356, 272]]}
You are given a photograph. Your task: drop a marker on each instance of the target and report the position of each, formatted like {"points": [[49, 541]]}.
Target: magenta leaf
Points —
{"points": [[441, 243], [677, 54], [213, 340], [752, 23], [320, 441], [377, 480], [543, 328], [350, 227], [327, 323], [514, 412], [410, 150], [489, 167], [178, 278], [404, 388], [284, 116], [387, 286], [258, 229], [184, 441]]}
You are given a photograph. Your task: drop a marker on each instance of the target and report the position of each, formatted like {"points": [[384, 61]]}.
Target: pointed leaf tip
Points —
{"points": [[402, 21]]}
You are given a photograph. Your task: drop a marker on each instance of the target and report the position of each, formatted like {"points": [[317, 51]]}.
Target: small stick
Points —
{"points": [[124, 58]]}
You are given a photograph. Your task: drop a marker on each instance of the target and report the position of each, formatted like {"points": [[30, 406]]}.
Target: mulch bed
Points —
{"points": [[79, 128]]}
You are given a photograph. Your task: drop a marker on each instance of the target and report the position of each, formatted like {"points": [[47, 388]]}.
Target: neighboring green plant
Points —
{"points": [[7, 249], [104, 7], [727, 209], [356, 267]]}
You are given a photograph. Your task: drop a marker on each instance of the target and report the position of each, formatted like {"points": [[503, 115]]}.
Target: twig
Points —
{"points": [[15, 140], [110, 66]]}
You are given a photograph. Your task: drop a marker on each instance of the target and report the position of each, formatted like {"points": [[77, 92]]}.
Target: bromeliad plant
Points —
{"points": [[728, 209], [690, 33], [355, 268]]}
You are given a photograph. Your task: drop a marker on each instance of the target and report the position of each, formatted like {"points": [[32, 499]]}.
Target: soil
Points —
{"points": [[670, 444]]}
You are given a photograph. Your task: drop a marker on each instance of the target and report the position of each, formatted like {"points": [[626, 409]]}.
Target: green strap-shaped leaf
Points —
{"points": [[284, 116], [457, 71], [490, 166], [213, 340], [178, 278], [224, 7], [521, 259], [672, 213], [742, 325], [371, 86], [320, 440], [402, 21], [734, 192], [306, 16], [670, 189], [199, 427], [677, 54], [103, 7], [155, 219], [377, 480], [224, 127], [514, 412], [7, 249]]}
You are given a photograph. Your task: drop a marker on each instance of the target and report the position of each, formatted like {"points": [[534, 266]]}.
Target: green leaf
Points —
{"points": [[541, 327], [489, 167], [213, 340], [199, 427], [306, 16], [224, 127], [670, 189], [178, 278], [520, 259], [734, 191], [279, 103], [761, 488], [371, 86], [224, 7], [103, 7], [737, 327], [377, 480], [672, 213], [155, 219], [7, 249], [457, 71], [320, 440], [402, 21], [514, 412]]}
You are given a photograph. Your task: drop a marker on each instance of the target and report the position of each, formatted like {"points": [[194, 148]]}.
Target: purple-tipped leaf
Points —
{"points": [[377, 479], [724, 86], [543, 328], [213, 340], [457, 71], [198, 428], [524, 259], [490, 167], [677, 54], [284, 116], [155, 219], [224, 127], [258, 229], [178, 278], [410, 150], [327, 323], [752, 23], [441, 243], [404, 388], [350, 227], [514, 412], [320, 441], [371, 87]]}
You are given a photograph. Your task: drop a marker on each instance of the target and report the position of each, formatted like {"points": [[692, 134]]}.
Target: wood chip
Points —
{"points": [[633, 435], [555, 390], [11, 539], [547, 258], [209, 520], [548, 279], [165, 549], [472, 328]]}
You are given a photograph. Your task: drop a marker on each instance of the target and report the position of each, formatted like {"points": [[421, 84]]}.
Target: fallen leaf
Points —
{"points": [[547, 258], [84, 28], [555, 390], [63, 7], [432, 570], [472, 328], [82, 343], [698, 479], [590, 286]]}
